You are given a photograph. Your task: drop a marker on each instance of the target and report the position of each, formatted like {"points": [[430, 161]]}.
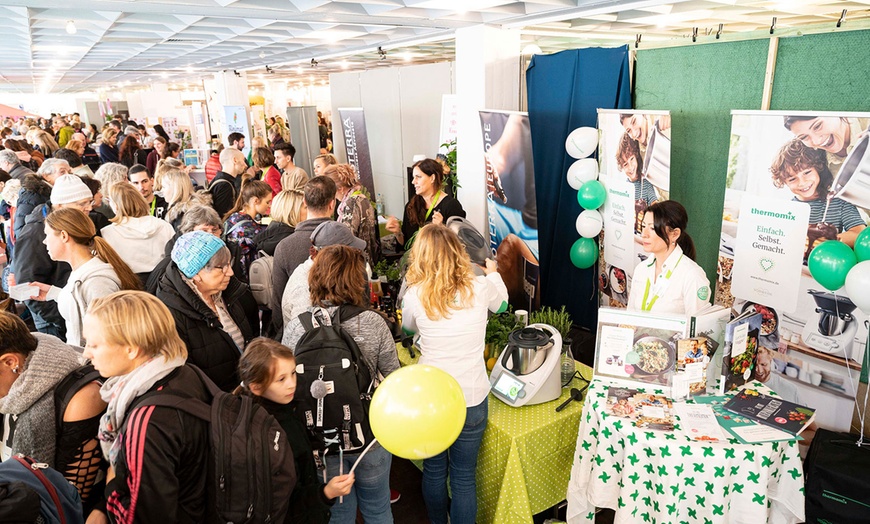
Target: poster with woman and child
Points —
{"points": [[794, 180], [634, 161]]}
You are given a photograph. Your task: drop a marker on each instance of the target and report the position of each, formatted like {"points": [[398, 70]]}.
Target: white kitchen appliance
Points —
{"points": [[527, 371], [834, 330]]}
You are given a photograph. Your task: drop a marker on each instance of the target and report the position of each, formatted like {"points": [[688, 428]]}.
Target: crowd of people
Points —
{"points": [[121, 262]]}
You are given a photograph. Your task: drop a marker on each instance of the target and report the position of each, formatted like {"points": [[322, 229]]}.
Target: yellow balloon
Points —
{"points": [[417, 412]]}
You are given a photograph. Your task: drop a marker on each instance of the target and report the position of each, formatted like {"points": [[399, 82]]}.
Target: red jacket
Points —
{"points": [[212, 167], [273, 178]]}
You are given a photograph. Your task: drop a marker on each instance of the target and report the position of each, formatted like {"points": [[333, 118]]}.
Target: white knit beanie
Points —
{"points": [[68, 189]]}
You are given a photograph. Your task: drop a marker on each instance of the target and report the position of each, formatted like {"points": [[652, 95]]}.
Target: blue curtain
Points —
{"points": [[565, 89]]}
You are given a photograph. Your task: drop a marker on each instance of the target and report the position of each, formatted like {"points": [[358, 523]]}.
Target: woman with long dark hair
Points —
{"points": [[669, 281], [128, 152], [432, 203]]}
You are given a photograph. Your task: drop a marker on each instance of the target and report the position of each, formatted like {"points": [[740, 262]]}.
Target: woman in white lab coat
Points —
{"points": [[670, 281]]}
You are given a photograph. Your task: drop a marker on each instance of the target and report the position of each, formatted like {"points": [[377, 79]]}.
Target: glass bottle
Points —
{"points": [[566, 365]]}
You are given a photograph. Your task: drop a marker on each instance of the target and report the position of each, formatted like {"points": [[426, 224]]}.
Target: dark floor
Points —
{"points": [[406, 478]]}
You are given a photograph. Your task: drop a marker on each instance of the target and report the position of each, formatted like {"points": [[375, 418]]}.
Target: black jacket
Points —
{"points": [[267, 240], [208, 346], [20, 171], [32, 264], [223, 195], [34, 191], [163, 458]]}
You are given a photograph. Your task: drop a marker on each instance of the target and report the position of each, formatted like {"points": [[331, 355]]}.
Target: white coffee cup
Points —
{"points": [[816, 378], [791, 371]]}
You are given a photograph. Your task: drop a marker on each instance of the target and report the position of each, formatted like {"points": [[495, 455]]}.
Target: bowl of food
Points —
{"points": [[654, 356], [769, 318], [617, 280]]}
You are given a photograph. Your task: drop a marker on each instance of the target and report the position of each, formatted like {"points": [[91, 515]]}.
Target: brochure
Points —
{"points": [[699, 423], [692, 361], [645, 410], [710, 323], [774, 412], [744, 429]]}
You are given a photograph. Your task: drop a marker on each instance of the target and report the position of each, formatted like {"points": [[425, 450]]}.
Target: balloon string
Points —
{"points": [[363, 454]]}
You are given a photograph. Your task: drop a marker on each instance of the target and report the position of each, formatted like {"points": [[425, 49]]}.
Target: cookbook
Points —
{"points": [[645, 410], [774, 412], [741, 347]]}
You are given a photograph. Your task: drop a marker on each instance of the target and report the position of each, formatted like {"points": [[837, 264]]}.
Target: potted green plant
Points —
{"points": [[498, 327], [561, 321], [448, 159]]}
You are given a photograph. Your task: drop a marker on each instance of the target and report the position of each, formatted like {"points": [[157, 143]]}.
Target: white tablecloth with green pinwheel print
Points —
{"points": [[665, 478]]}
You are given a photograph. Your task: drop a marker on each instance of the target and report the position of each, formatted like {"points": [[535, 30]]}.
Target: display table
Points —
{"points": [[523, 464], [653, 476]]}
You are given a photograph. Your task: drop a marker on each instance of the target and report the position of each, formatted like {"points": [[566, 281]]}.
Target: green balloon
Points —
{"points": [[862, 245], [830, 262], [591, 194], [584, 253]]}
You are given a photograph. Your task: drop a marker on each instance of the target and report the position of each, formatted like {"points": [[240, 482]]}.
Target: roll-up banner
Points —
{"points": [[236, 121], [794, 181], [356, 144], [511, 204], [634, 162]]}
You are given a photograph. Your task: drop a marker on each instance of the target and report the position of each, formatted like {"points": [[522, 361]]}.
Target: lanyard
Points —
{"points": [[667, 276], [153, 205], [410, 241]]}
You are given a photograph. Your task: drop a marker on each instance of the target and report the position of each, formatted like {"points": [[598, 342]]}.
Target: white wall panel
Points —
{"points": [[343, 92], [380, 94]]}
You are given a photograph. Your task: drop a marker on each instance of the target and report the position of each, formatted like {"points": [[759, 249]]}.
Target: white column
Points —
{"points": [[230, 90], [487, 77]]}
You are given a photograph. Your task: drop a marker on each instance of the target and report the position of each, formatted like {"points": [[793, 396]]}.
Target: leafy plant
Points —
{"points": [[561, 319], [449, 161], [499, 326], [389, 270]]}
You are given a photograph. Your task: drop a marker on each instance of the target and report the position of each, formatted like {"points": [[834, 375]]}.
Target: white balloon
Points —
{"points": [[589, 223], [582, 171], [582, 142], [857, 284]]}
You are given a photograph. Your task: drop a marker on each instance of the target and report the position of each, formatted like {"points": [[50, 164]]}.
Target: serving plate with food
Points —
{"points": [[769, 318], [617, 280]]}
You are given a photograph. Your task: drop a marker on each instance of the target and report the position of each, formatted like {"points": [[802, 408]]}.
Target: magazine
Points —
{"points": [[645, 410], [742, 428], [774, 412]]}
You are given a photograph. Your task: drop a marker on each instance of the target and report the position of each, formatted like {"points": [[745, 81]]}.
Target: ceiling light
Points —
{"points": [[407, 57], [190, 69], [164, 75], [323, 82], [262, 54], [299, 70], [311, 79], [345, 65], [71, 27]]}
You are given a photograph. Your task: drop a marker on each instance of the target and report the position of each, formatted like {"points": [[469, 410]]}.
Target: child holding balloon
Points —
{"points": [[448, 306], [268, 372]]}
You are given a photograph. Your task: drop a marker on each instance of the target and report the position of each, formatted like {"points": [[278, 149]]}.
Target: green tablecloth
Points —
{"points": [[664, 477], [525, 457]]}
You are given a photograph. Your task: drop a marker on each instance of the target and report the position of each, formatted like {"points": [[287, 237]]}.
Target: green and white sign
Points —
{"points": [[769, 250], [619, 217]]}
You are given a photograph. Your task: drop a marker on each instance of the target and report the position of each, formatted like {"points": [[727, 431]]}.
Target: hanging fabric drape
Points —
{"points": [[565, 90]]}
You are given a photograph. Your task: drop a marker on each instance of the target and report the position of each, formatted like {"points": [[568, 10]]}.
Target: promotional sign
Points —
{"points": [[449, 120], [512, 207], [236, 121], [356, 144], [795, 180], [767, 260], [634, 163]]}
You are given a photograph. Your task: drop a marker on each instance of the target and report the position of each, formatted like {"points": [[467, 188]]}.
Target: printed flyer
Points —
{"points": [[634, 163], [794, 180]]}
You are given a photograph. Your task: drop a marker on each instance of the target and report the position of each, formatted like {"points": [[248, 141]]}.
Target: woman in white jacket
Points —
{"points": [[138, 238], [97, 270]]}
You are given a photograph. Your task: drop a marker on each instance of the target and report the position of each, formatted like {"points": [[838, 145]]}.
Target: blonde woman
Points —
{"points": [[109, 149], [97, 270], [45, 143], [157, 455], [321, 162], [180, 196], [355, 209], [108, 175], [138, 237], [287, 211], [448, 306], [164, 165]]}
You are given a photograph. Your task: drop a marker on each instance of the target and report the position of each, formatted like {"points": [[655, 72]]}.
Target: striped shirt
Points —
{"points": [[841, 214], [644, 190]]}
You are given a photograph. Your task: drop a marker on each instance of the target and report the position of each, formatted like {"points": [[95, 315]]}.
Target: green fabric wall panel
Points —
{"points": [[825, 72], [700, 85]]}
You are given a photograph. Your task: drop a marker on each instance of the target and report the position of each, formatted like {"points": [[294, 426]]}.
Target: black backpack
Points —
{"points": [[330, 366], [67, 388], [252, 471]]}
